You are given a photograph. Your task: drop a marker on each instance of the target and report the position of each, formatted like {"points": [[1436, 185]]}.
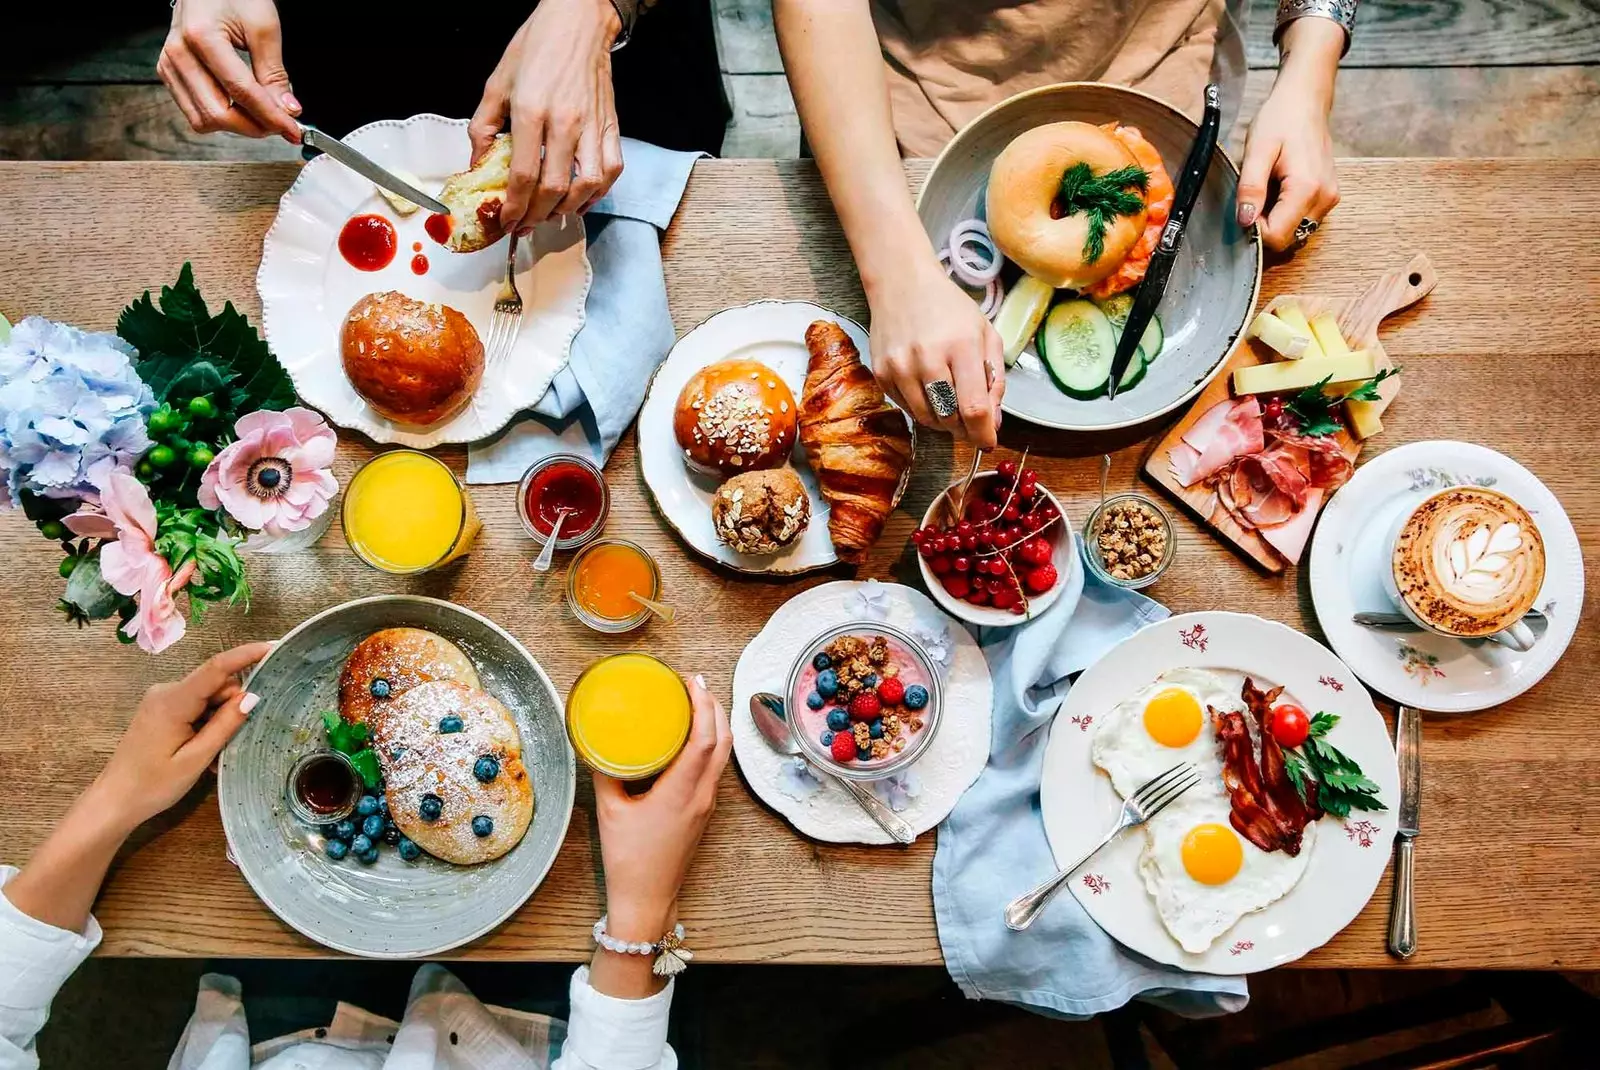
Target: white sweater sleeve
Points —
{"points": [[35, 961], [606, 1033]]}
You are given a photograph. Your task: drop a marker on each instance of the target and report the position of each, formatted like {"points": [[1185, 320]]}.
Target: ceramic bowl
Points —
{"points": [[1063, 557], [391, 909], [1215, 280]]}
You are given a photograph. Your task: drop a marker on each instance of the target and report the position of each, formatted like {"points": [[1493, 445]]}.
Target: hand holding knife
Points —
{"points": [[1402, 914], [1150, 290]]}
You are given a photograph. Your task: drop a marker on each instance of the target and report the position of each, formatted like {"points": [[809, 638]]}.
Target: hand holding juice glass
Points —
{"points": [[628, 715]]}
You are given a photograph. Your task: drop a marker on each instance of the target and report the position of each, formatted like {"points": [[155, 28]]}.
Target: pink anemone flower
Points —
{"points": [[276, 478], [132, 566]]}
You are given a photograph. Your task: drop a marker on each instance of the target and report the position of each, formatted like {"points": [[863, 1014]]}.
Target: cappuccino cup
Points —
{"points": [[1467, 562]]}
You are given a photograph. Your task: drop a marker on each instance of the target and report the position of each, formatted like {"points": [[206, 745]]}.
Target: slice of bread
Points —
{"points": [[475, 197]]}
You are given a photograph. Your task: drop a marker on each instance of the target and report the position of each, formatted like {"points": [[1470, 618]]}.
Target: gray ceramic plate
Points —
{"points": [[391, 909], [1214, 284]]}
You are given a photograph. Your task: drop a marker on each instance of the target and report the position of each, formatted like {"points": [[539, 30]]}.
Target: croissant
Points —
{"points": [[858, 445]]}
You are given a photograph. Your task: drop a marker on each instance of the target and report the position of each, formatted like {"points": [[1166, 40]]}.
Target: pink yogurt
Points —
{"points": [[908, 670]]}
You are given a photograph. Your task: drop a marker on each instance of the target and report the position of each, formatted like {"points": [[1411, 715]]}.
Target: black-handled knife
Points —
{"points": [[1166, 251]]}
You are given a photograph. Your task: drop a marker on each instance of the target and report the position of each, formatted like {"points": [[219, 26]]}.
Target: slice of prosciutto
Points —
{"points": [[1225, 432]]}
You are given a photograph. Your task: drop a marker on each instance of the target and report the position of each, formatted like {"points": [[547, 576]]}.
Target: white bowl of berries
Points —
{"points": [[1001, 556]]}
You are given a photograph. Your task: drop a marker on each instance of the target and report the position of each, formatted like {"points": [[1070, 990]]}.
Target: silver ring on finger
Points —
{"points": [[941, 395], [1306, 228]]}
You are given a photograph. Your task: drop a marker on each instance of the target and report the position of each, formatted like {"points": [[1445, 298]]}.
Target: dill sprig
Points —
{"points": [[1102, 199]]}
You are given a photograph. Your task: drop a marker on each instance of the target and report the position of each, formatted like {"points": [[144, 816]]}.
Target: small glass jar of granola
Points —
{"points": [[1128, 541]]}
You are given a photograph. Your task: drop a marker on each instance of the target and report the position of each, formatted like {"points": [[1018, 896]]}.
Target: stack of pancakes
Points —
{"points": [[425, 680]]}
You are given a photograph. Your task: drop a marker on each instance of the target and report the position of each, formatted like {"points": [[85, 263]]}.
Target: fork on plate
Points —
{"points": [[1151, 798], [507, 311]]}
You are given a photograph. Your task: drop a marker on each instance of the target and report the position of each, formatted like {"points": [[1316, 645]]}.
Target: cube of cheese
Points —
{"points": [[1279, 336], [1290, 313], [1364, 418], [1299, 374], [1325, 329]]}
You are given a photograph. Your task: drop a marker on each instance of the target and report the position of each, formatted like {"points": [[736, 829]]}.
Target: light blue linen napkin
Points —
{"points": [[992, 847], [627, 329]]}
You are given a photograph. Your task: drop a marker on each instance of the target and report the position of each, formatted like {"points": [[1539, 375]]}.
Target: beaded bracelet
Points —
{"points": [[671, 956]]}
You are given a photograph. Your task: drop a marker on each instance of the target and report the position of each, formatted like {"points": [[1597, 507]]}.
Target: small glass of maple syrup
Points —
{"points": [[323, 788]]}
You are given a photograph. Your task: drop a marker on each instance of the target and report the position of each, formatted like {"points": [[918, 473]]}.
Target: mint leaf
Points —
{"points": [[366, 763]]}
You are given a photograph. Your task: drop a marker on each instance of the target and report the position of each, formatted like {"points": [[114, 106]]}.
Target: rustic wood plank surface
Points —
{"points": [[1508, 876]]}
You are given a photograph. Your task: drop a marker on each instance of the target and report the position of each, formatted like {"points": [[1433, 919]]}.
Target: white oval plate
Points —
{"points": [[1079, 804], [306, 287], [1434, 672], [774, 333], [945, 770]]}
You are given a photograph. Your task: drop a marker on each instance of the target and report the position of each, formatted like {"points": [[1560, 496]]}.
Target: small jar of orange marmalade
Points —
{"points": [[603, 577]]}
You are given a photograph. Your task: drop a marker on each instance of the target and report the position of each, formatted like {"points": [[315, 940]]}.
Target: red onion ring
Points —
{"points": [[993, 291], [965, 237]]}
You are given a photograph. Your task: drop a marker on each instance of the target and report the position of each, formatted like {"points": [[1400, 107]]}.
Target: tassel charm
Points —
{"points": [[674, 957]]}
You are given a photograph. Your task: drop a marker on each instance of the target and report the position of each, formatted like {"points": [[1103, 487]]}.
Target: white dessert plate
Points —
{"points": [[1079, 804], [774, 333], [1418, 668], [926, 793], [306, 286]]}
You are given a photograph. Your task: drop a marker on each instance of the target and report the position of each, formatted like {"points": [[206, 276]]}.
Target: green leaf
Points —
{"points": [[330, 720], [366, 763], [1101, 199], [1322, 723], [1367, 389], [1366, 801], [1296, 771]]}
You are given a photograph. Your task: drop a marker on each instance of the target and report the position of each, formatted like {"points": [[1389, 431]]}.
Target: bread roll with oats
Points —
{"points": [[761, 512]]}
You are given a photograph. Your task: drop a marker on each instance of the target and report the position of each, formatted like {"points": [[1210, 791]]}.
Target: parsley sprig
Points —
{"points": [[1341, 786], [1313, 409], [1102, 199]]}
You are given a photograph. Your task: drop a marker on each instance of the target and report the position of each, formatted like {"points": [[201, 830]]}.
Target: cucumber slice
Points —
{"points": [[1153, 340], [1076, 343], [1020, 312], [1134, 371], [1116, 307]]}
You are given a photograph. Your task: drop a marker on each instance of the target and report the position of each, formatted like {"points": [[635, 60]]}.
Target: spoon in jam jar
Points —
{"points": [[546, 555]]}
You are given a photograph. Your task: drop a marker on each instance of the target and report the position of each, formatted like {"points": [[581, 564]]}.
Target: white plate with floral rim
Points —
{"points": [[926, 792], [306, 286], [1421, 669], [1079, 804], [774, 333]]}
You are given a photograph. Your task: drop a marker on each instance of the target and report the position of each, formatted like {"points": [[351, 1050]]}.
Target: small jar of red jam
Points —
{"points": [[566, 482], [323, 788]]}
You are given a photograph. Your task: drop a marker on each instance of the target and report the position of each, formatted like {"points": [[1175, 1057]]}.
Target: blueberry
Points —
{"points": [[863, 754], [360, 843], [486, 768], [335, 849], [871, 681], [826, 737], [448, 724], [380, 687], [821, 661], [828, 683], [383, 805], [367, 857], [409, 851], [372, 826], [876, 728], [916, 697], [367, 805], [344, 830], [391, 833], [838, 719], [482, 825], [430, 807], [815, 700]]}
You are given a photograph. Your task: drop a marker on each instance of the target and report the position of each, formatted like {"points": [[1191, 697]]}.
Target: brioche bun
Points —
{"points": [[475, 197], [1023, 185], [413, 362], [735, 416]]}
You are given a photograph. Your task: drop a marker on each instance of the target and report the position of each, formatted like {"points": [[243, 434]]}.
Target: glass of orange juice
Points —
{"points": [[405, 512], [628, 715], [601, 579]]}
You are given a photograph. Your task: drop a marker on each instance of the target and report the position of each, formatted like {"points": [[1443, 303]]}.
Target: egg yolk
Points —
{"points": [[1173, 717], [1212, 854]]}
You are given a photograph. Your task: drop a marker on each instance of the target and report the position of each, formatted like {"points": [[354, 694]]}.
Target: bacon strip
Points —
{"points": [[1242, 777], [1265, 806]]}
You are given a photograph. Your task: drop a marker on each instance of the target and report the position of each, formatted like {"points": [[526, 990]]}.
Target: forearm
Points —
{"points": [[59, 884], [830, 51], [1309, 51], [630, 976]]}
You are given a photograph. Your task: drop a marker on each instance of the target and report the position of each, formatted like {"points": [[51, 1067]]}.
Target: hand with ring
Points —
{"points": [[936, 355]]}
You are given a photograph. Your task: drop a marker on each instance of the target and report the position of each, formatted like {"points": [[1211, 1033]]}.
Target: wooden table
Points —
{"points": [[1502, 353]]}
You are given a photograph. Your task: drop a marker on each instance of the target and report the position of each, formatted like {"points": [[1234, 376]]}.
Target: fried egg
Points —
{"points": [[1162, 724]]}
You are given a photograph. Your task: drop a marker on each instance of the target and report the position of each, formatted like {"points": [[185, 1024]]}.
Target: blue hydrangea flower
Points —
{"points": [[69, 399]]}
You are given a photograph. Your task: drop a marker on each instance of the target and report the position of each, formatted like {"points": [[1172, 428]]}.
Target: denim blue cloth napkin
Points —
{"points": [[992, 847], [627, 330]]}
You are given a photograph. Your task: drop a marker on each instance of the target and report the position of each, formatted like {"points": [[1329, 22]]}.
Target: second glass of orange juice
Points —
{"points": [[628, 715]]}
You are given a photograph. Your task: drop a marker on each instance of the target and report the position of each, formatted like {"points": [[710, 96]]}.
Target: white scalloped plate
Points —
{"points": [[306, 287], [1078, 802]]}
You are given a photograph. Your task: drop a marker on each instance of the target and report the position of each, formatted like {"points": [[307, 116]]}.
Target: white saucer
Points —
{"points": [[1417, 668], [958, 753]]}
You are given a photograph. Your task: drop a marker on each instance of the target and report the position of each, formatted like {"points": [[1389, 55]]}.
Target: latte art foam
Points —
{"points": [[1469, 561]]}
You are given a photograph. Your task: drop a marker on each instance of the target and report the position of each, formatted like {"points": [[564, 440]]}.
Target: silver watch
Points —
{"points": [[1341, 11]]}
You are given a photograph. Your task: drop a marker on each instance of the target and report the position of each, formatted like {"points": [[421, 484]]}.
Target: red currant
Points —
{"points": [[986, 539], [961, 564], [964, 528], [1019, 607], [1008, 469], [1030, 476], [1001, 599], [979, 596], [1012, 512], [925, 548], [969, 542], [957, 586], [940, 565]]}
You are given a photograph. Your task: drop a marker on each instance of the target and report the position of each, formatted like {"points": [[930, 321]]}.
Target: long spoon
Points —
{"points": [[546, 555], [660, 609]]}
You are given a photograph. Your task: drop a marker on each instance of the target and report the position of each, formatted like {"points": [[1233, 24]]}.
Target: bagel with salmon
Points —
{"points": [[1070, 242]]}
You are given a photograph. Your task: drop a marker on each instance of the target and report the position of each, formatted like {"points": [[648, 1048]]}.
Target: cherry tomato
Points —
{"points": [[1290, 725]]}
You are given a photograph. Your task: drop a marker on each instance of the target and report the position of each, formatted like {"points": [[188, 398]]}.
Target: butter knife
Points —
{"points": [[1402, 912], [313, 138]]}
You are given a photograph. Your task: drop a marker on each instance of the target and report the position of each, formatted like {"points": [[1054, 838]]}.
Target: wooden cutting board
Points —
{"points": [[1358, 319]]}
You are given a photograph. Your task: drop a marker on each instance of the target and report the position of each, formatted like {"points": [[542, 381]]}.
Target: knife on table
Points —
{"points": [[1402, 913], [1166, 251], [313, 138]]}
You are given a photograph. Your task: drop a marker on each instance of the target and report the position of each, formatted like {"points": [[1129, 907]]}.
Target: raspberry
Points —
{"points": [[891, 692], [1042, 579], [843, 747], [865, 707]]}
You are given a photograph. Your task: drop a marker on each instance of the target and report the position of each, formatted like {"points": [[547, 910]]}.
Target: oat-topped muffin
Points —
{"points": [[761, 512]]}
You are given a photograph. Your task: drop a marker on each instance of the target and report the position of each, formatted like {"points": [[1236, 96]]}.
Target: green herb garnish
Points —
{"points": [[351, 740], [1313, 409], [1102, 199], [1340, 785]]}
